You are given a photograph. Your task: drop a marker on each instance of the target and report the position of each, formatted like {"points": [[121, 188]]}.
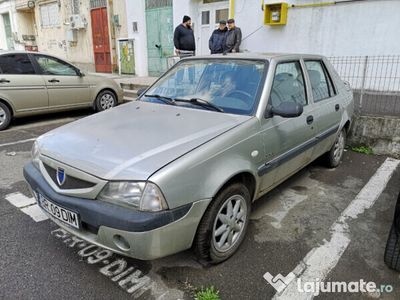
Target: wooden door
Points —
{"points": [[101, 40]]}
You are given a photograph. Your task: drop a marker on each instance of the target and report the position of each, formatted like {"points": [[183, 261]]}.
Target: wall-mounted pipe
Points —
{"points": [[231, 9], [323, 3]]}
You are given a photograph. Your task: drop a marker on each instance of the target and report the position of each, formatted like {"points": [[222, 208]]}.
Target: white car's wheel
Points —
{"points": [[5, 116], [105, 100], [224, 224]]}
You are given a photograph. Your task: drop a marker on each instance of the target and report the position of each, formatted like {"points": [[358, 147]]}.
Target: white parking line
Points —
{"points": [[321, 260], [27, 205], [17, 142]]}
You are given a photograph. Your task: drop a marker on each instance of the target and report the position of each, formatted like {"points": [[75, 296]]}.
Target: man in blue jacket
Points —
{"points": [[217, 39]]}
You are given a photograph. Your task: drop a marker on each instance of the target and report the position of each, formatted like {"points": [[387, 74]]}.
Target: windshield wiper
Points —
{"points": [[201, 102], [165, 99]]}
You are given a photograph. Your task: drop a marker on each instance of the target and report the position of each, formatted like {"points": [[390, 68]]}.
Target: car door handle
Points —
{"points": [[337, 106], [54, 80], [4, 80], [310, 119]]}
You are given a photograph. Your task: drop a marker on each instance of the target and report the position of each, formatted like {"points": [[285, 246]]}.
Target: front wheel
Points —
{"points": [[224, 224], [5, 116], [335, 155], [105, 100]]}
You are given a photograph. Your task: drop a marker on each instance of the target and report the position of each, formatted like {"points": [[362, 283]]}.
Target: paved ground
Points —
{"points": [[39, 261]]}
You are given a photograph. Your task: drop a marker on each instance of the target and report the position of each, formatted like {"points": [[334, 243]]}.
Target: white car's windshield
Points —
{"points": [[216, 84]]}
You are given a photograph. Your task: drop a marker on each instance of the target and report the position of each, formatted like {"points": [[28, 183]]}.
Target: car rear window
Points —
{"points": [[18, 63]]}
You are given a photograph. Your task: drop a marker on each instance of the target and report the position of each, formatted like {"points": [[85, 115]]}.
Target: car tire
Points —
{"points": [[335, 155], [105, 100], [392, 250], [5, 116], [208, 243]]}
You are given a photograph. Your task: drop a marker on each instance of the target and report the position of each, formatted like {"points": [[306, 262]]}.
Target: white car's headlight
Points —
{"points": [[35, 153], [145, 196]]}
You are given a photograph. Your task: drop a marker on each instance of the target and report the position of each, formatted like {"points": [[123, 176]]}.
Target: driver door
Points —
{"points": [[287, 141], [64, 86]]}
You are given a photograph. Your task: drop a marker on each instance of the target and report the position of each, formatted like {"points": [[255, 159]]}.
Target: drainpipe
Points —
{"points": [[231, 9]]}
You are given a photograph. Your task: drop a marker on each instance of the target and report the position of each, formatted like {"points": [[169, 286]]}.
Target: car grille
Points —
{"points": [[70, 182]]}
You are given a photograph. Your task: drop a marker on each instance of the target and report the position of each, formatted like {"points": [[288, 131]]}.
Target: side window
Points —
{"points": [[321, 85], [18, 63], [288, 85], [54, 66]]}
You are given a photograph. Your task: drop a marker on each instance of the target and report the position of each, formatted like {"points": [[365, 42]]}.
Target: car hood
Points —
{"points": [[132, 141]]}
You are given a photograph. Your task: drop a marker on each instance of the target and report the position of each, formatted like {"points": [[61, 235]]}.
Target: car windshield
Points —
{"points": [[220, 85]]}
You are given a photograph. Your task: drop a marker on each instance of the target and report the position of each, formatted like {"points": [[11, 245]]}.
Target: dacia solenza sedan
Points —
{"points": [[35, 83], [181, 166]]}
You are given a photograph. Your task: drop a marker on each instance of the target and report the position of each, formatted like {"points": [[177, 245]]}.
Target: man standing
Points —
{"points": [[184, 38], [217, 39], [233, 37]]}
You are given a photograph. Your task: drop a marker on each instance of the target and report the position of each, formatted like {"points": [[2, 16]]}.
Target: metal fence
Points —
{"points": [[375, 81]]}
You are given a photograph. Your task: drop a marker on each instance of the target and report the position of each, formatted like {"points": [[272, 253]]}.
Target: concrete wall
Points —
{"points": [[135, 11], [358, 28]]}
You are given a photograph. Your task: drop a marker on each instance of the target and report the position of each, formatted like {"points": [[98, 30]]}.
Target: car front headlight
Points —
{"points": [[144, 196], [35, 153]]}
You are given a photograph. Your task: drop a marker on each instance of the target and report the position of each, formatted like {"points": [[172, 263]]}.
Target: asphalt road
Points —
{"points": [[39, 261]]}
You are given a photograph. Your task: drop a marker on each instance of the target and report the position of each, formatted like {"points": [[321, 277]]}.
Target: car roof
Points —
{"points": [[259, 56], [18, 52]]}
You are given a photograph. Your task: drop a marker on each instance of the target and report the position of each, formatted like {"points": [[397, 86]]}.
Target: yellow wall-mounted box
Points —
{"points": [[275, 13]]}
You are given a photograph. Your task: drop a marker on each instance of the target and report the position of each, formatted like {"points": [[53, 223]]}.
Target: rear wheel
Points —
{"points": [[224, 224], [5, 116], [105, 100], [392, 250], [335, 155]]}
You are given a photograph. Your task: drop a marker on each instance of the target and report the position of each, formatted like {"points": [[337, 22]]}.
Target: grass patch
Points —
{"points": [[209, 293], [363, 149]]}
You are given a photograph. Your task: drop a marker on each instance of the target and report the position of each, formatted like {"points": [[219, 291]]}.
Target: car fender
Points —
{"points": [[3, 98]]}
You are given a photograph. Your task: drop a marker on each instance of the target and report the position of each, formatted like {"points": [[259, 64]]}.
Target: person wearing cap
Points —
{"points": [[217, 39], [184, 38], [233, 37]]}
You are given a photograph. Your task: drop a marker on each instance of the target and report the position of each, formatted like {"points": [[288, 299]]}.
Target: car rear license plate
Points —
{"points": [[59, 212]]}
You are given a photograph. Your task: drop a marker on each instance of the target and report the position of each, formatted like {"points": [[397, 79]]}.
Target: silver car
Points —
{"points": [[35, 83], [181, 166]]}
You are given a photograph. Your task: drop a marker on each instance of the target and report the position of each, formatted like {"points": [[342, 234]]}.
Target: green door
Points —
{"points": [[160, 35], [7, 28], [127, 57]]}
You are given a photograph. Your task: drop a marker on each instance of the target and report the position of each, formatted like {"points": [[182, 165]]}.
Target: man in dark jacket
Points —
{"points": [[233, 37], [217, 39], [184, 38]]}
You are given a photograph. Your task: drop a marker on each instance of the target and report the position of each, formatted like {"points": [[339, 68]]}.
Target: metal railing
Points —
{"points": [[375, 81]]}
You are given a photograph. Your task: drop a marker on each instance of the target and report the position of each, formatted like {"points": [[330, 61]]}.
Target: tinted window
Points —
{"points": [[321, 87], [16, 64], [54, 66], [288, 85]]}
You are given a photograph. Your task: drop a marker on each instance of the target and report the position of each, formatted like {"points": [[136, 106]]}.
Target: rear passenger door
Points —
{"points": [[288, 141], [328, 107], [20, 85]]}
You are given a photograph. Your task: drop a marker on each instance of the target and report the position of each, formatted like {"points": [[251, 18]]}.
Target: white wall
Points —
{"points": [[359, 28], [136, 13]]}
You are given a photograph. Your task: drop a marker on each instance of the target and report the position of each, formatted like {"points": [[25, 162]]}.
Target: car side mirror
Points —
{"points": [[80, 73], [141, 91], [287, 110]]}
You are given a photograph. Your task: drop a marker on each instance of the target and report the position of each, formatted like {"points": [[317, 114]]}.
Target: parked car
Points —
{"points": [[181, 166], [392, 250], [35, 83]]}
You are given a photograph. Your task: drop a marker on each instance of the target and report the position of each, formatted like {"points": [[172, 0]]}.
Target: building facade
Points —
{"points": [[87, 33], [339, 29]]}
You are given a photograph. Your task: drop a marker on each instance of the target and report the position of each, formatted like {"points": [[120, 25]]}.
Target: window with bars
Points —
{"points": [[49, 14], [158, 3], [75, 7], [98, 3]]}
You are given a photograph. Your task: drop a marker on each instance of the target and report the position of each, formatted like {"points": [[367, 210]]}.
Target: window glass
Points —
{"points": [[54, 66], [221, 14], [230, 84], [16, 64], [319, 84], [49, 14], [205, 17], [288, 85]]}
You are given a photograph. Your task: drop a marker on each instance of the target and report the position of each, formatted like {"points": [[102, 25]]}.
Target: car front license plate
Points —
{"points": [[59, 212]]}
